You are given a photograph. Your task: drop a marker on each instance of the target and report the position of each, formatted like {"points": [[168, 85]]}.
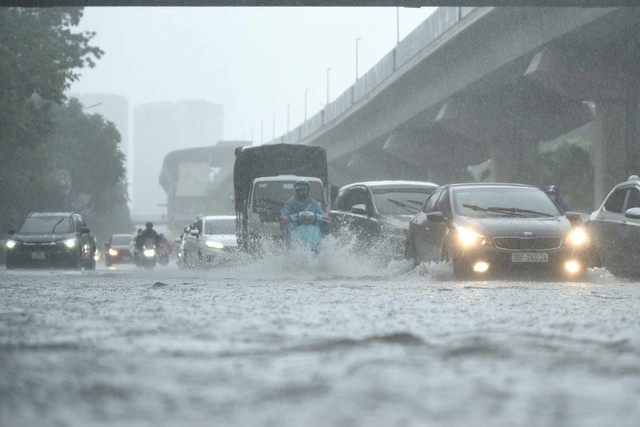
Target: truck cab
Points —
{"points": [[267, 196]]}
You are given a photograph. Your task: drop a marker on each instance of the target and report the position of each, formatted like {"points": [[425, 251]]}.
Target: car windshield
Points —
{"points": [[121, 240], [46, 225], [504, 202], [400, 201], [274, 194], [220, 226]]}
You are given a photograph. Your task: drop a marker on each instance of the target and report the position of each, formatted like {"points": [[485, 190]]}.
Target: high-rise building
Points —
{"points": [[114, 108], [159, 128]]}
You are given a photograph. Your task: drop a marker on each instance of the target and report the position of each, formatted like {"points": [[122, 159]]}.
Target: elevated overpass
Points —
{"points": [[473, 84]]}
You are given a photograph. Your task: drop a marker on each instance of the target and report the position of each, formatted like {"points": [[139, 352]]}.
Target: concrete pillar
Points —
{"points": [[616, 123]]}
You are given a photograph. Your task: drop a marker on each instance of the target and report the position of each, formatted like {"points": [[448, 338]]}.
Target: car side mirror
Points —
{"points": [[359, 209], [85, 230], [12, 231], [632, 213], [435, 217], [575, 218]]}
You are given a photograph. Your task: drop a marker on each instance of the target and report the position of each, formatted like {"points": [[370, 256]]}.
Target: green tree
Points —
{"points": [[40, 56], [87, 147]]}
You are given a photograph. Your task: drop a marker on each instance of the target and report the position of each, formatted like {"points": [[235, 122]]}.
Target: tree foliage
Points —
{"points": [[40, 134], [39, 58]]}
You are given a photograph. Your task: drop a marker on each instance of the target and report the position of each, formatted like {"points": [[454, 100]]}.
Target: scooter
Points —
{"points": [[147, 256], [164, 251], [304, 229]]}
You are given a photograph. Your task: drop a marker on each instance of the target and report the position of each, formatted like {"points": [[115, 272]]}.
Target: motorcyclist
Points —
{"points": [[301, 201], [554, 194], [147, 233]]}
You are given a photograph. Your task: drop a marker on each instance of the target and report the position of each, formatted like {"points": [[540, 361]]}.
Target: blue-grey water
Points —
{"points": [[335, 340]]}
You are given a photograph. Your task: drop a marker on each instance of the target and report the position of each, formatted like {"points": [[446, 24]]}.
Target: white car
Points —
{"points": [[210, 239]]}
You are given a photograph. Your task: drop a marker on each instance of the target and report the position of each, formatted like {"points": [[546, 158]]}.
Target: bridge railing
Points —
{"points": [[443, 19]]}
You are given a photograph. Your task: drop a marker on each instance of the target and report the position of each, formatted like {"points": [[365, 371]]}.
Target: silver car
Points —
{"points": [[210, 239], [615, 230]]}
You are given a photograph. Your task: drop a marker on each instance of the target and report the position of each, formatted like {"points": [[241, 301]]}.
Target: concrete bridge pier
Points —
{"points": [[512, 119], [444, 154], [608, 77]]}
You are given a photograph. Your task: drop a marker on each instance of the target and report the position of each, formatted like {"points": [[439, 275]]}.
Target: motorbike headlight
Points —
{"points": [[577, 237], [214, 245], [113, 252], [71, 243], [149, 253], [11, 244], [468, 238]]}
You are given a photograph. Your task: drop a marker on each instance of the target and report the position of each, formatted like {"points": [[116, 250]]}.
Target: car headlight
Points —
{"points": [[70, 243], [214, 245], [469, 238], [577, 237], [113, 252], [11, 244]]}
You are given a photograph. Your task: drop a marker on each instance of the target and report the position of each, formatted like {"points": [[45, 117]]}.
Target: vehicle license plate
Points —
{"points": [[529, 257], [37, 255]]}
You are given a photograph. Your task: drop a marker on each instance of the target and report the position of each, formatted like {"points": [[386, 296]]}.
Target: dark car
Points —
{"points": [[376, 211], [497, 228], [614, 230], [54, 239], [119, 250]]}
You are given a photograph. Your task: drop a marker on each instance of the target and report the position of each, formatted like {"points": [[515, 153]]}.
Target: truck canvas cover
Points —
{"points": [[276, 159]]}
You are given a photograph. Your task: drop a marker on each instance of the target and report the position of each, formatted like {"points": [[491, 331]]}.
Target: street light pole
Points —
{"points": [[398, 25], [305, 104], [357, 40], [328, 69]]}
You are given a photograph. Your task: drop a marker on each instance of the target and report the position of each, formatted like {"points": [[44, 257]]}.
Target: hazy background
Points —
{"points": [[253, 61]]}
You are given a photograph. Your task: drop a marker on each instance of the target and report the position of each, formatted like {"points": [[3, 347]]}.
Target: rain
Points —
{"points": [[319, 216]]}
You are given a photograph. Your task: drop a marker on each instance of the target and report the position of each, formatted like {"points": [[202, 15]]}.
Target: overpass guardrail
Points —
{"points": [[423, 36]]}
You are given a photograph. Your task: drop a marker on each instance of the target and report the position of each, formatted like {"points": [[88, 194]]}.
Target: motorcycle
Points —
{"points": [[147, 255], [305, 229], [164, 250]]}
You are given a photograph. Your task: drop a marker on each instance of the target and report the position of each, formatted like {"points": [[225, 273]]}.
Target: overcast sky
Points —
{"points": [[254, 61]]}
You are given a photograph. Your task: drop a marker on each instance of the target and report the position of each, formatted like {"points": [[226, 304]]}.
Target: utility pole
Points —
{"points": [[328, 70]]}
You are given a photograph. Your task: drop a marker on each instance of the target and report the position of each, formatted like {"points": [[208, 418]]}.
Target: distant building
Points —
{"points": [[160, 128], [114, 108]]}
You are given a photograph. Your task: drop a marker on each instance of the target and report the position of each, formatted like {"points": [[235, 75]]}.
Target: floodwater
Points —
{"points": [[334, 340]]}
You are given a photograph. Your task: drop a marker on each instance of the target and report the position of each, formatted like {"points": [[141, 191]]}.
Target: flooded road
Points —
{"points": [[322, 342]]}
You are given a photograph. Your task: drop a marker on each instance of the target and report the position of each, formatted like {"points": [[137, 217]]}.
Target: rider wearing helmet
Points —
{"points": [[301, 201], [147, 233], [554, 194]]}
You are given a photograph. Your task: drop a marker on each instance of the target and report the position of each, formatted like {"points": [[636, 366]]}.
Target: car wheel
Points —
{"points": [[409, 253], [461, 269]]}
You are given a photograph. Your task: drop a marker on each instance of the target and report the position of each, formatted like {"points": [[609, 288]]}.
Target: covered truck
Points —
{"points": [[263, 178]]}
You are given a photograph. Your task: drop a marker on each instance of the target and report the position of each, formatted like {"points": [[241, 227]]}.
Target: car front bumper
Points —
{"points": [[46, 255], [565, 261]]}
